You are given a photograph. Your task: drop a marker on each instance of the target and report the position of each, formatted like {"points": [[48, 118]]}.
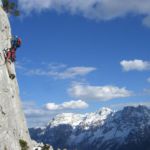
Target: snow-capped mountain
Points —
{"points": [[66, 118], [127, 129], [84, 120]]}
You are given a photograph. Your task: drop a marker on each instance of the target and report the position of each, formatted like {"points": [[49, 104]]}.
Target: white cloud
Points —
{"points": [[78, 104], [36, 5], [31, 110], [146, 21], [52, 106], [55, 70], [64, 73], [139, 65], [41, 115], [55, 66], [21, 65], [93, 9], [75, 71], [101, 93], [18, 65], [146, 91], [148, 80], [36, 116]]}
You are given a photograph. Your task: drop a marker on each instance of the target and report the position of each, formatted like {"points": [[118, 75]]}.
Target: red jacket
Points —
{"points": [[11, 54]]}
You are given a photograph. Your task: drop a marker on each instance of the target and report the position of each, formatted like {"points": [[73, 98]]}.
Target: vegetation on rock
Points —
{"points": [[23, 145], [10, 7]]}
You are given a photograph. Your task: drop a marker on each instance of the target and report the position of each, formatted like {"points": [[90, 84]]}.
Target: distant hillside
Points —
{"points": [[128, 129]]}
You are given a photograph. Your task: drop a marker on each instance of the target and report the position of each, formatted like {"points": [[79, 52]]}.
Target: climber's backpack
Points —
{"points": [[16, 42]]}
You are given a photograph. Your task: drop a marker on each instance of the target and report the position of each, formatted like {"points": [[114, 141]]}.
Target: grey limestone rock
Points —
{"points": [[12, 120]]}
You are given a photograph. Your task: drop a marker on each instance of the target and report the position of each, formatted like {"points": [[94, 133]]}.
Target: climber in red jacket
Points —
{"points": [[11, 55]]}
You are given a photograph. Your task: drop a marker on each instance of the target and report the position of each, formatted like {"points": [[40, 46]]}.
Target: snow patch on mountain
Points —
{"points": [[66, 118], [105, 129], [84, 120]]}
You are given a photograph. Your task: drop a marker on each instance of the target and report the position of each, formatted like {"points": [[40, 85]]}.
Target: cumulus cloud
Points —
{"points": [[139, 65], [31, 110], [93, 9], [52, 106], [148, 80], [41, 115], [101, 93], [65, 73], [78, 104]]}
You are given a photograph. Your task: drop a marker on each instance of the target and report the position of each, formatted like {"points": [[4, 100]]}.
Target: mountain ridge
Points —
{"points": [[109, 131]]}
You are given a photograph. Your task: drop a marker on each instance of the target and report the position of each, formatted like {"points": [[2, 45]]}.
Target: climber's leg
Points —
{"points": [[10, 72]]}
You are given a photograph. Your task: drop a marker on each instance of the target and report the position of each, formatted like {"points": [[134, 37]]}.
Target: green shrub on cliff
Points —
{"points": [[10, 7], [23, 145]]}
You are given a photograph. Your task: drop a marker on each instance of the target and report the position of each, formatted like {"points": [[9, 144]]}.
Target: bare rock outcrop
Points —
{"points": [[13, 126]]}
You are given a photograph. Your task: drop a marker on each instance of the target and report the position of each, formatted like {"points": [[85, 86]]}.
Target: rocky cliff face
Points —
{"points": [[12, 121]]}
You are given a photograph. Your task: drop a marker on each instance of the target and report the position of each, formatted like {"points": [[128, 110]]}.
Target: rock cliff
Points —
{"points": [[12, 121]]}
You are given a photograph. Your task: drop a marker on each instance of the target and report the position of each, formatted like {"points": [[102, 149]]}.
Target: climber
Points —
{"points": [[10, 54]]}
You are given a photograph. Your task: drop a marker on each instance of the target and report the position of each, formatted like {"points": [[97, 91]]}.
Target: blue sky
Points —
{"points": [[79, 57]]}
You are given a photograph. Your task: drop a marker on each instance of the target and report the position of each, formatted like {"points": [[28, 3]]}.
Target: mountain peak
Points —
{"points": [[104, 110], [66, 118], [84, 120], [135, 111], [125, 129]]}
